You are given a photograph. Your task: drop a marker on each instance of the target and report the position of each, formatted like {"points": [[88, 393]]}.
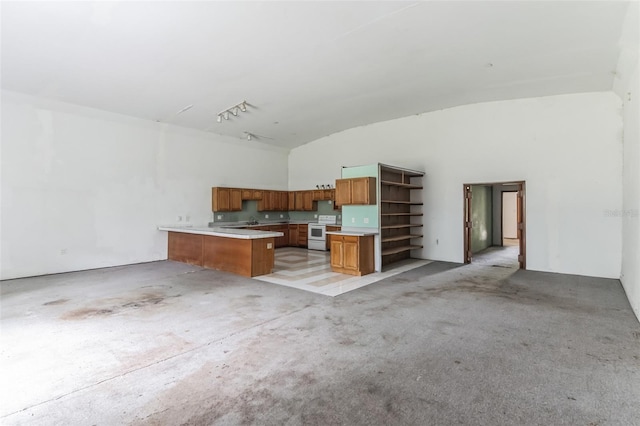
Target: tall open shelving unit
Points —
{"points": [[400, 213]]}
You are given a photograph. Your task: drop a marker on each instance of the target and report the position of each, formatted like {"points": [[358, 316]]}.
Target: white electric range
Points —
{"points": [[317, 237]]}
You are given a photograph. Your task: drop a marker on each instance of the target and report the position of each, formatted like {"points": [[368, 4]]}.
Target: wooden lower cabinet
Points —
{"points": [[293, 235], [185, 248], [303, 235], [247, 257], [331, 229], [352, 254], [284, 240]]}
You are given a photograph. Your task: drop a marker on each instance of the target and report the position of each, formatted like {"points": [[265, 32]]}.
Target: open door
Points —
{"points": [[521, 227], [467, 224], [521, 220]]}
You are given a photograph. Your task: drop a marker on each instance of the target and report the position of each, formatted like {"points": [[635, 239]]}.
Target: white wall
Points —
{"points": [[560, 142], [83, 188], [626, 85]]}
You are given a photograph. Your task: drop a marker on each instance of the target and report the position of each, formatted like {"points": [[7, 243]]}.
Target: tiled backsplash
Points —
{"points": [[250, 212]]}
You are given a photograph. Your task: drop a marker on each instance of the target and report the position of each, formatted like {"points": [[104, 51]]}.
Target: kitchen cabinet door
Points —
{"points": [[303, 235], [343, 192], [226, 199], [220, 199], [299, 203], [266, 204], [235, 200], [356, 191], [331, 229], [291, 197], [284, 201], [307, 201], [293, 235], [363, 190], [337, 253], [350, 253], [247, 194], [318, 195]]}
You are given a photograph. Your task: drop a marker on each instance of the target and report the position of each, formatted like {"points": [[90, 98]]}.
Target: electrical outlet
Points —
{"points": [[269, 246], [315, 216], [219, 217], [281, 216], [366, 220], [353, 220], [266, 216], [63, 251], [187, 218], [179, 218]]}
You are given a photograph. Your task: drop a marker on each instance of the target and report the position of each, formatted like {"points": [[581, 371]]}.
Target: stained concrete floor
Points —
{"points": [[167, 343]]}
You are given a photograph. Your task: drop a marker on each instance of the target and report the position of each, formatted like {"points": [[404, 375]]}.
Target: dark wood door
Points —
{"points": [[521, 228], [467, 224]]}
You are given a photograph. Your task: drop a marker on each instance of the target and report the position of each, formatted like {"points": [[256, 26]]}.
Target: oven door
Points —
{"points": [[317, 232]]}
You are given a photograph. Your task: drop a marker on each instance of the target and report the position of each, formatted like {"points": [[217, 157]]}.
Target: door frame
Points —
{"points": [[521, 218]]}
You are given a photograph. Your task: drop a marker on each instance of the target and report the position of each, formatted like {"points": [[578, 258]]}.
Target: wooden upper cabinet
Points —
{"points": [[299, 200], [291, 201], [308, 204], [356, 191], [273, 201], [251, 194], [226, 199], [343, 192], [363, 190], [283, 202], [235, 200], [266, 203]]}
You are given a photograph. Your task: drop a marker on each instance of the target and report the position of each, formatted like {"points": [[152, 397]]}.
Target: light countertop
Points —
{"points": [[353, 233], [245, 234]]}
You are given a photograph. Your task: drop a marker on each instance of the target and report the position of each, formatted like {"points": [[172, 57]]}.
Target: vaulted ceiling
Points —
{"points": [[306, 69]]}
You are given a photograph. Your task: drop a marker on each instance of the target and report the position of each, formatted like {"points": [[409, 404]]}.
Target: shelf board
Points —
{"points": [[409, 225], [400, 238], [401, 214], [411, 203], [395, 250], [403, 185]]}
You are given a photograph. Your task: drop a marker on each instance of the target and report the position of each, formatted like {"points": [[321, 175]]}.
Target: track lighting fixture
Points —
{"points": [[235, 109]]}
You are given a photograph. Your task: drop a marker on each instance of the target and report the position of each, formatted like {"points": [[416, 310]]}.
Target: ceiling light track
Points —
{"points": [[233, 110]]}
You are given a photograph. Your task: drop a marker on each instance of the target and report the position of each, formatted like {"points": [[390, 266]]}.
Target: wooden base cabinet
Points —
{"points": [[351, 254], [247, 257]]}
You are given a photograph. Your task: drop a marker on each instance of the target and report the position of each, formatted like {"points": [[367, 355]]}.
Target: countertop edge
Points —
{"points": [[243, 234]]}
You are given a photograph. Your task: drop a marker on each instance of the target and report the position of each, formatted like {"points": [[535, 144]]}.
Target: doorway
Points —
{"points": [[494, 218]]}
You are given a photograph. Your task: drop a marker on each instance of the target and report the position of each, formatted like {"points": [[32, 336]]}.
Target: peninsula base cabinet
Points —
{"points": [[352, 254], [246, 257]]}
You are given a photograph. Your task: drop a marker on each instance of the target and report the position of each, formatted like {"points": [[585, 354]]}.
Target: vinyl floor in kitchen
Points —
{"points": [[310, 270]]}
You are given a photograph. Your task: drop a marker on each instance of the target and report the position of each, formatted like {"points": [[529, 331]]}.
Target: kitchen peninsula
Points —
{"points": [[244, 252]]}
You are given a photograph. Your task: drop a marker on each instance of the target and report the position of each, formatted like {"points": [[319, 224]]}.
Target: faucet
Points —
{"points": [[252, 221]]}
